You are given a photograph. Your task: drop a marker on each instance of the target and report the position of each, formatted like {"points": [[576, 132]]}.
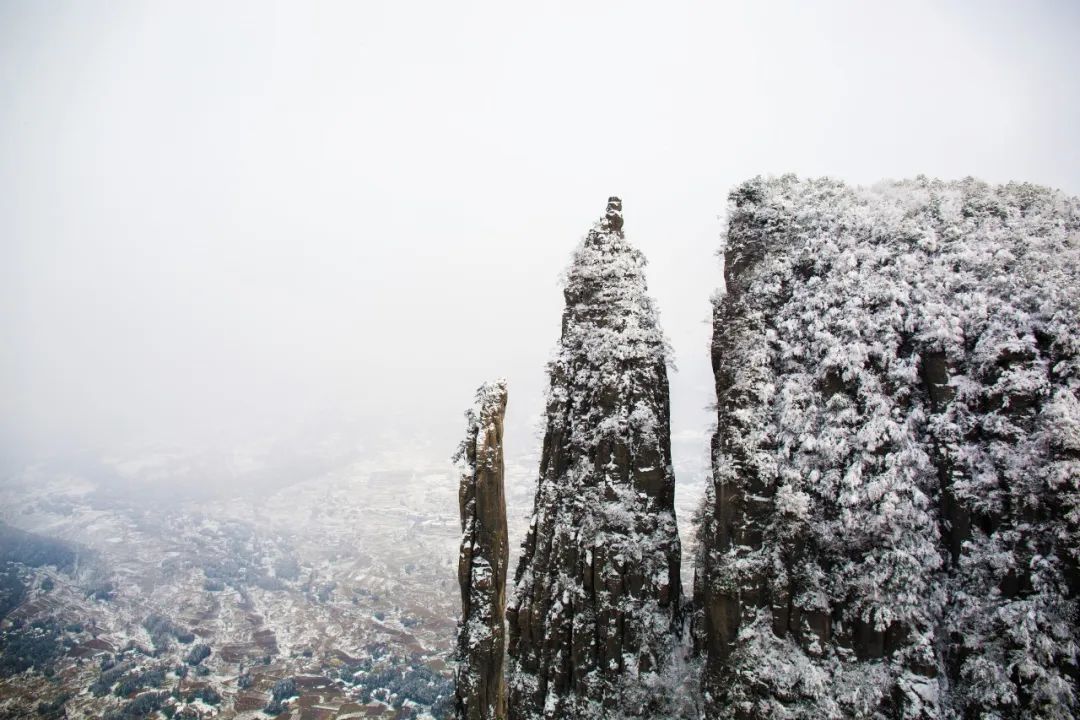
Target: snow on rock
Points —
{"points": [[892, 529], [596, 607], [482, 563]]}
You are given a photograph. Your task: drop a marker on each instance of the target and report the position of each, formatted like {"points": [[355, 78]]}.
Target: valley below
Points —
{"points": [[131, 590]]}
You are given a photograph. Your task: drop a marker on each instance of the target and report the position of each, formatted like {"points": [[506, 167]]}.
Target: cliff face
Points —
{"points": [[892, 529], [481, 693], [594, 613]]}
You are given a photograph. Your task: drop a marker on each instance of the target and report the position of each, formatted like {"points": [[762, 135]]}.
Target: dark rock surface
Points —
{"points": [[482, 563], [596, 607]]}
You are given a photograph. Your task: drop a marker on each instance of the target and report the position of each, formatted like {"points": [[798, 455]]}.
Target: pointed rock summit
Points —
{"points": [[482, 563], [613, 219], [595, 611]]}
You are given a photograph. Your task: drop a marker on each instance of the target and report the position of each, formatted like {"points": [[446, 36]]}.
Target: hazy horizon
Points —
{"points": [[226, 224]]}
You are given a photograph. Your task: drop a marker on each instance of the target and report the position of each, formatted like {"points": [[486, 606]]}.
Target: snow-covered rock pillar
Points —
{"points": [[891, 529], [596, 605], [480, 693]]}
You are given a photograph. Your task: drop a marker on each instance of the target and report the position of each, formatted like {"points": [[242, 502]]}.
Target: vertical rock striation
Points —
{"points": [[595, 610], [482, 564], [892, 529]]}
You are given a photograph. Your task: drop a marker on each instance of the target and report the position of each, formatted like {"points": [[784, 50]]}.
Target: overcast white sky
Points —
{"points": [[223, 221]]}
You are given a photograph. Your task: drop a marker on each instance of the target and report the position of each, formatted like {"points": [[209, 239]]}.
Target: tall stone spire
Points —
{"points": [[482, 563], [595, 610]]}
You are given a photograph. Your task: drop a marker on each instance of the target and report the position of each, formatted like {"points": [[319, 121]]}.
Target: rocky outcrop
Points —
{"points": [[595, 610], [892, 527], [482, 563]]}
